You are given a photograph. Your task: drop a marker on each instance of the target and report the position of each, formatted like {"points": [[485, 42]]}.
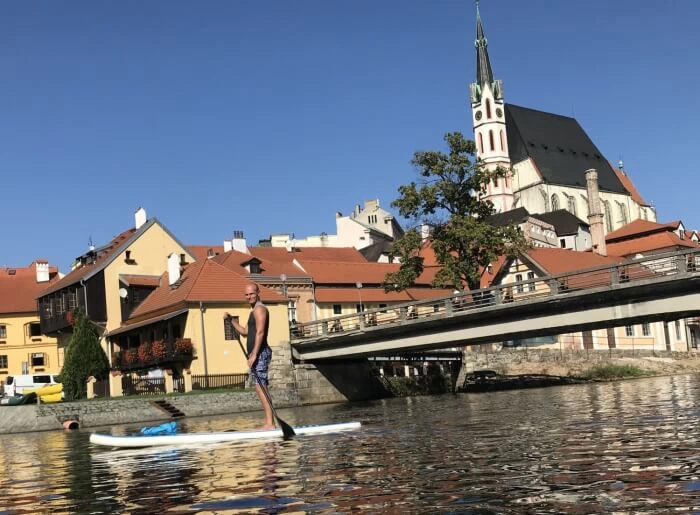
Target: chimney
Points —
{"points": [[42, 271], [425, 231], [595, 214], [238, 242], [173, 268], [140, 218], [228, 245]]}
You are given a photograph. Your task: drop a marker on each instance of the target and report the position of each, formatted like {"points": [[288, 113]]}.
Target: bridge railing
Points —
{"points": [[658, 266]]}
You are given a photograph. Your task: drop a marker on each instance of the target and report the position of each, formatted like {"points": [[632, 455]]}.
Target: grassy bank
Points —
{"points": [[611, 371]]}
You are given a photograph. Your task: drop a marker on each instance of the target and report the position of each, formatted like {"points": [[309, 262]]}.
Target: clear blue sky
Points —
{"points": [[270, 116]]}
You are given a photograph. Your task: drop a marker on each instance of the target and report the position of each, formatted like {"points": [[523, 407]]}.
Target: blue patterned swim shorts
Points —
{"points": [[260, 366]]}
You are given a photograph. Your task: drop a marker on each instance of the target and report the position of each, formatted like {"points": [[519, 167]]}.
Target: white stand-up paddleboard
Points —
{"points": [[229, 436]]}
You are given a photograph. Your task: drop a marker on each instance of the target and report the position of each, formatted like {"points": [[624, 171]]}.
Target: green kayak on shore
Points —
{"points": [[30, 398]]}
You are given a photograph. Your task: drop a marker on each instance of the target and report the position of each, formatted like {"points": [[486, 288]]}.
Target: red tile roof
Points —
{"points": [[19, 289], [235, 261], [103, 254], [202, 251], [377, 295], [658, 241], [635, 229], [280, 254], [559, 261], [627, 183], [205, 281]]}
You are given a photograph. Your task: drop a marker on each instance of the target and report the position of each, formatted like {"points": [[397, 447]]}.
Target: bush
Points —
{"points": [[611, 371], [84, 358]]}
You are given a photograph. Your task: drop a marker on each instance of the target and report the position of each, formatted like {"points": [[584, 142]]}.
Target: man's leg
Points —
{"points": [[269, 422]]}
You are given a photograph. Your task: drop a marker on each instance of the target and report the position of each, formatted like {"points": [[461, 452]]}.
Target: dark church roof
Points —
{"points": [[564, 223], [513, 217], [559, 146]]}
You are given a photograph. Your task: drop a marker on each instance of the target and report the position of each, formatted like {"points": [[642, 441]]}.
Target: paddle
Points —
{"points": [[287, 430]]}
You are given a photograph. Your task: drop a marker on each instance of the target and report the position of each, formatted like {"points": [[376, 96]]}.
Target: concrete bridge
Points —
{"points": [[662, 287]]}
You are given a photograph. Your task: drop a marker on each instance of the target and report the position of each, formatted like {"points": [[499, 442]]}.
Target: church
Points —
{"points": [[548, 154]]}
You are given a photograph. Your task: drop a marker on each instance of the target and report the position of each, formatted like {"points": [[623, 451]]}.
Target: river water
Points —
{"points": [[627, 447]]}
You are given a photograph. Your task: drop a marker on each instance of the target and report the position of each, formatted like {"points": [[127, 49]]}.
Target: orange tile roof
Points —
{"points": [[637, 228], [205, 281], [19, 290], [631, 189], [328, 272], [202, 251], [235, 261], [377, 295], [103, 254], [658, 241], [559, 261], [280, 254]]}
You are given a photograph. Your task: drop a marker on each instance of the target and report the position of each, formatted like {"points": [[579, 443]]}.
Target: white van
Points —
{"points": [[15, 385]]}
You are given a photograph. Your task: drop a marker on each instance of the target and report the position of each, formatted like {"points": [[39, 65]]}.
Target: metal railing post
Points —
{"points": [[497, 296], [448, 306], [324, 328], [614, 276], [553, 286]]}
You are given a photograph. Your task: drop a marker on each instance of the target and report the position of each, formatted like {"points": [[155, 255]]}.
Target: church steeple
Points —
{"points": [[484, 74], [488, 117]]}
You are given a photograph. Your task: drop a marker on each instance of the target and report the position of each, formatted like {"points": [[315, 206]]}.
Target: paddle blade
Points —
{"points": [[287, 430]]}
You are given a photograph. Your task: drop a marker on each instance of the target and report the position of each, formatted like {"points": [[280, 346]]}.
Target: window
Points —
{"points": [[337, 309], [488, 109], [571, 204], [34, 329], [255, 268], [42, 379], [292, 310], [3, 332], [229, 330], [492, 145], [678, 330], [481, 143], [531, 285], [503, 140], [495, 182], [72, 300], [646, 329], [693, 340], [38, 359], [562, 243], [3, 361], [359, 307], [545, 198], [629, 330], [608, 216], [623, 213], [518, 279], [555, 202]]}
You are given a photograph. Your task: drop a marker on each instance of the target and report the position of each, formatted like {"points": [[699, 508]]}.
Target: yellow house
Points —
{"points": [[109, 282], [183, 318], [23, 347]]}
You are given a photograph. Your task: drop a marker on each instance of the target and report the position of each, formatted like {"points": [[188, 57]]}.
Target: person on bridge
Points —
{"points": [[259, 352]]}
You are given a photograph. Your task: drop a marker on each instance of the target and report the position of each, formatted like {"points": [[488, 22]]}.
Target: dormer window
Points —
{"points": [[255, 268]]}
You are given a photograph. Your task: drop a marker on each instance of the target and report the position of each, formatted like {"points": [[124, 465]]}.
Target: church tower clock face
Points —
{"points": [[499, 112], [478, 116]]}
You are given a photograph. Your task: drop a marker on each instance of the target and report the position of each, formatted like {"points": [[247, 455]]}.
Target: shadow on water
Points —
{"points": [[628, 447]]}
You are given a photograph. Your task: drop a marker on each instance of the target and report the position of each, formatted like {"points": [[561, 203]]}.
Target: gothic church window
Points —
{"points": [[623, 213], [491, 142], [555, 202], [503, 140], [488, 109], [481, 143], [608, 216], [571, 201], [546, 200]]}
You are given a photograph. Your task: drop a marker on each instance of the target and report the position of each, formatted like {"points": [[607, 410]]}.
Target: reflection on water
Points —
{"points": [[628, 447]]}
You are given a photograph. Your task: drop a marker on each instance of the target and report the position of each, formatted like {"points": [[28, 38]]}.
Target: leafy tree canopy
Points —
{"points": [[84, 358], [449, 198]]}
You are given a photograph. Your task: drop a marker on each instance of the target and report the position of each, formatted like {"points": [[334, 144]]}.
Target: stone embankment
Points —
{"points": [[576, 363]]}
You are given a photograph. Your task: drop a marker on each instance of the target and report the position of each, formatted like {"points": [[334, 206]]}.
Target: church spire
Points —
{"points": [[484, 75]]}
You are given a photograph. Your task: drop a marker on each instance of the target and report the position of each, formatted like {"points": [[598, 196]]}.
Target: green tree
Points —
{"points": [[84, 358], [449, 197]]}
